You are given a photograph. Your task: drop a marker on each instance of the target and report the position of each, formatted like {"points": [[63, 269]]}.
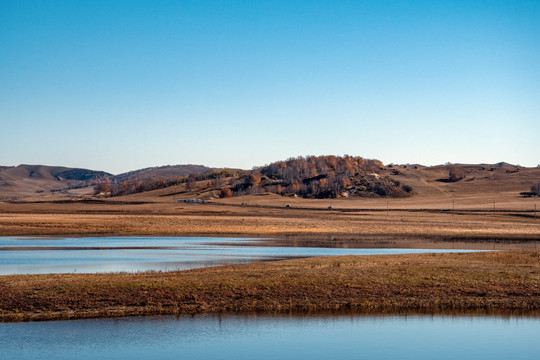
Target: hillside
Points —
{"points": [[322, 177], [162, 172], [309, 177], [479, 189], [330, 177], [477, 179], [40, 180]]}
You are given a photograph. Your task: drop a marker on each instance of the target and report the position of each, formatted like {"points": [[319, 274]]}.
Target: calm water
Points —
{"points": [[275, 337], [132, 254]]}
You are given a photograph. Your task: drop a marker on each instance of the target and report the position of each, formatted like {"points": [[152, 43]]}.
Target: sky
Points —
{"points": [[123, 85]]}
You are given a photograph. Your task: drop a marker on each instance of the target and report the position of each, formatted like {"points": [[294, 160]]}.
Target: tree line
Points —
{"points": [[113, 187]]}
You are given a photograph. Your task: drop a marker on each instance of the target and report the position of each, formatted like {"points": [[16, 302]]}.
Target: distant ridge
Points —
{"points": [[167, 171], [27, 181], [504, 165], [59, 173], [501, 164], [39, 180]]}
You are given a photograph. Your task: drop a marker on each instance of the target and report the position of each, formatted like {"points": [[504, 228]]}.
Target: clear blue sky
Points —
{"points": [[122, 85]]}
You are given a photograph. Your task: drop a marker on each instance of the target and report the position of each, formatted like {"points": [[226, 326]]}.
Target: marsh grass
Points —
{"points": [[485, 282], [272, 222]]}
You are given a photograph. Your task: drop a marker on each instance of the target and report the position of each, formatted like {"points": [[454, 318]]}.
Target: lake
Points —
{"points": [[275, 337], [19, 255]]}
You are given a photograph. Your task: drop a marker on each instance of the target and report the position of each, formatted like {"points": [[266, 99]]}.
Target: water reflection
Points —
{"points": [[133, 254], [275, 337]]}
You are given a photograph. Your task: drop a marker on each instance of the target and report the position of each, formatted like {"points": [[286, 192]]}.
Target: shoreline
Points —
{"points": [[320, 241], [334, 240]]}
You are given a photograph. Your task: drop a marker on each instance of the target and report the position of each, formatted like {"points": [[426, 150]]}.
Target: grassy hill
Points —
{"points": [[480, 179], [162, 172], [317, 178], [481, 189], [40, 180]]}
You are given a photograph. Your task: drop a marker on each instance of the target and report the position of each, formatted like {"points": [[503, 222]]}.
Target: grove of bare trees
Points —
{"points": [[309, 176]]}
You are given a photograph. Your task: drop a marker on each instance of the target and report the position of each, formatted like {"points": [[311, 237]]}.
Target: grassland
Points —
{"points": [[441, 215], [484, 206], [492, 282], [340, 224]]}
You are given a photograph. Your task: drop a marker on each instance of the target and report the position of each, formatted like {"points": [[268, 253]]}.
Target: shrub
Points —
{"points": [[407, 188], [226, 193]]}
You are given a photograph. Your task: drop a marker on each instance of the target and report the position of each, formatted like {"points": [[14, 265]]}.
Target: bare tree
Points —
{"points": [[190, 183], [536, 189], [226, 193], [102, 187], [455, 174]]}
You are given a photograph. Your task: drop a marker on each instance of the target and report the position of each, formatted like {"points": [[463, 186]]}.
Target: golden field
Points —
{"points": [[268, 219]]}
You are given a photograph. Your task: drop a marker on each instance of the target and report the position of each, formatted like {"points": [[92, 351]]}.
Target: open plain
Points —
{"points": [[491, 216]]}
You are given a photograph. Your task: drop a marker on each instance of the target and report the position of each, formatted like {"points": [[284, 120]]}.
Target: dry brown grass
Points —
{"points": [[204, 219], [486, 282]]}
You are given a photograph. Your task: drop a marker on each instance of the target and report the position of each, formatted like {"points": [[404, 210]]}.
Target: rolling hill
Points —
{"points": [[41, 181], [406, 184], [162, 172], [326, 177]]}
